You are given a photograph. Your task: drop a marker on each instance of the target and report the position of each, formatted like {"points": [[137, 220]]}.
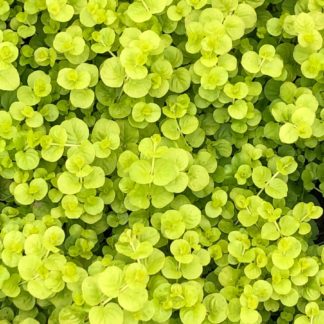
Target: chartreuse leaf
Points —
{"points": [[149, 112], [260, 176], [163, 172], [198, 178], [288, 225], [60, 10], [90, 291], [106, 314], [72, 313], [68, 183], [238, 110], [26, 194], [172, 224], [277, 189], [53, 237], [112, 72], [181, 250], [137, 88], [139, 12], [191, 215], [266, 61], [288, 133], [136, 275], [170, 269], [251, 62], [38, 289], [248, 315], [214, 208], [262, 289], [132, 299], [95, 179], [82, 98], [105, 135], [72, 79], [288, 249], [217, 307], [9, 77], [110, 281], [27, 160], [193, 269], [195, 314], [7, 129], [286, 165], [76, 129], [53, 144], [269, 231], [28, 266], [155, 262], [140, 172]]}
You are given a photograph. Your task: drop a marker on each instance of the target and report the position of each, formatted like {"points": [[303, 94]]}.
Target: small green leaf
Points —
{"points": [[112, 72], [133, 299], [260, 176], [110, 281], [90, 291], [277, 189], [110, 313], [288, 133], [141, 172], [9, 77], [68, 183], [27, 160]]}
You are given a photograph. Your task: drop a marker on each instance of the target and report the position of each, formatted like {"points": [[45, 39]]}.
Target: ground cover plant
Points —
{"points": [[161, 161]]}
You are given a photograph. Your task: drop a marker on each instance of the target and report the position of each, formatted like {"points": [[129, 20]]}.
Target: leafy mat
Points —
{"points": [[161, 161]]}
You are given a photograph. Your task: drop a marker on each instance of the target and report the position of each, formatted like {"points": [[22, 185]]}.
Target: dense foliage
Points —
{"points": [[160, 161]]}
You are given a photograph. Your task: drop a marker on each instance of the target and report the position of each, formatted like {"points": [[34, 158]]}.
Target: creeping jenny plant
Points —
{"points": [[161, 161]]}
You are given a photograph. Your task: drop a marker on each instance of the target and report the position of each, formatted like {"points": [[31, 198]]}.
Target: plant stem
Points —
{"points": [[106, 301], [318, 190], [120, 94], [277, 226], [274, 176], [181, 134], [68, 145], [111, 53], [145, 5]]}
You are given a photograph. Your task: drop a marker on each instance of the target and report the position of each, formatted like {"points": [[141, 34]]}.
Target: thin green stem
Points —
{"points": [[152, 166], [260, 65], [274, 176], [22, 283], [181, 134], [134, 247], [25, 281], [124, 288], [178, 266], [145, 6], [67, 145], [153, 161], [318, 190], [120, 94], [277, 226], [111, 53], [106, 301]]}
